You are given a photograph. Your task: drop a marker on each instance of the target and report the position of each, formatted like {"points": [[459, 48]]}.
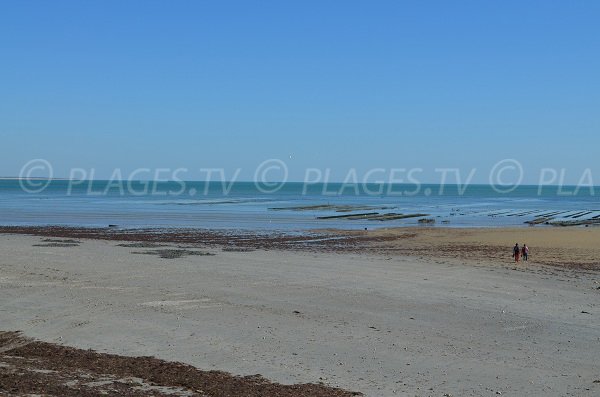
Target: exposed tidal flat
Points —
{"points": [[398, 311], [562, 247]]}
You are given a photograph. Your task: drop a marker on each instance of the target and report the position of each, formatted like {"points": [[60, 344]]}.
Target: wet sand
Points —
{"points": [[388, 312], [561, 247]]}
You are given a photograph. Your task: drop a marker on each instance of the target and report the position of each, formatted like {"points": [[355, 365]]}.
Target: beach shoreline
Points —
{"points": [[563, 247], [370, 312]]}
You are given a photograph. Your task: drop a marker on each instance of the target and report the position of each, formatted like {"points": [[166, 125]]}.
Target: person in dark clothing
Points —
{"points": [[516, 252]]}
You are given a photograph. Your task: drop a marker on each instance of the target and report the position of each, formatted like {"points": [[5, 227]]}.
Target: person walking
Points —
{"points": [[516, 252], [525, 252]]}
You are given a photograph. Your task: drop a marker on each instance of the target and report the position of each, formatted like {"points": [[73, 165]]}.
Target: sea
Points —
{"points": [[287, 207]]}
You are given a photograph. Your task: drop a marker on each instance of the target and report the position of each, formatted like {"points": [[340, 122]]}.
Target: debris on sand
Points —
{"points": [[142, 244], [53, 242], [55, 245], [173, 253], [237, 249], [31, 367], [65, 241]]}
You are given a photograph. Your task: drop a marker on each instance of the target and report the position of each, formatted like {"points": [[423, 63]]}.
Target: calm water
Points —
{"points": [[244, 205]]}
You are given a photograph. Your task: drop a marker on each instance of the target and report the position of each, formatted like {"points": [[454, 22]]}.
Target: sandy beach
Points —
{"points": [[296, 199], [561, 247], [415, 311]]}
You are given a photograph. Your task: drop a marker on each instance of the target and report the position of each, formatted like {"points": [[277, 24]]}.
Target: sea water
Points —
{"points": [[253, 206]]}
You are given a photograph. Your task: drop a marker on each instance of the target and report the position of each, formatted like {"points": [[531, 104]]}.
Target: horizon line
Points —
{"points": [[8, 178]]}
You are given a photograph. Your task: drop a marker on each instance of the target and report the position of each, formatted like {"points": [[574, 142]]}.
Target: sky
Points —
{"points": [[339, 85]]}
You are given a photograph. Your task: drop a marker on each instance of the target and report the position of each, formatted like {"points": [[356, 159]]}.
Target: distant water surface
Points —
{"points": [[246, 205]]}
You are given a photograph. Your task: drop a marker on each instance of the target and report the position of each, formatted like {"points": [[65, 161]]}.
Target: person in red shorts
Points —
{"points": [[516, 252]]}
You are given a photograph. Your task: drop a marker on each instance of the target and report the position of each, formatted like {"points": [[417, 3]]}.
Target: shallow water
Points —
{"points": [[246, 205]]}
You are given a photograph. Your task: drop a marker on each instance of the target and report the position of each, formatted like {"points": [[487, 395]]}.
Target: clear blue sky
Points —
{"points": [[336, 84]]}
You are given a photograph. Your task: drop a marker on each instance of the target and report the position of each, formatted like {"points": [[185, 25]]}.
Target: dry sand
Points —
{"points": [[586, 238], [563, 247], [379, 322]]}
